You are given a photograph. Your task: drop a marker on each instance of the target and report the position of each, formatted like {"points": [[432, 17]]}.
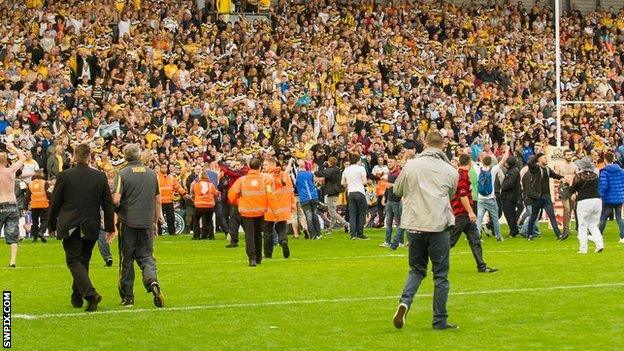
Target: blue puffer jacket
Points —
{"points": [[612, 184], [305, 187]]}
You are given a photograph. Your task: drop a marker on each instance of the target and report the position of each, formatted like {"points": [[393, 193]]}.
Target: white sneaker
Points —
{"points": [[399, 316], [384, 244], [621, 241], [406, 244], [582, 252]]}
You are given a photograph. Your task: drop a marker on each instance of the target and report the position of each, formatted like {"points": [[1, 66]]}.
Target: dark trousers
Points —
{"points": [[39, 222], [168, 212], [511, 214], [357, 213], [77, 256], [544, 203], [310, 209], [135, 244], [380, 211], [234, 224], [607, 210], [280, 228], [422, 248], [221, 224], [207, 230], [253, 236], [464, 225]]}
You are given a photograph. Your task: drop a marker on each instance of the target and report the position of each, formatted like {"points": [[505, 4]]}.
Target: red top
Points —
{"points": [[464, 188]]}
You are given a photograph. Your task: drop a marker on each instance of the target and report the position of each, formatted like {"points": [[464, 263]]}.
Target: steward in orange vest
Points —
{"points": [[39, 204], [167, 186], [251, 192], [281, 206], [204, 193]]}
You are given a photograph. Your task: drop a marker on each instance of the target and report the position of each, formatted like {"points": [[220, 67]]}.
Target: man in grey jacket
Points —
{"points": [[426, 184]]}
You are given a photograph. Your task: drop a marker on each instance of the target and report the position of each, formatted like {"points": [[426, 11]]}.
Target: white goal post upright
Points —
{"points": [[561, 103], [558, 68]]}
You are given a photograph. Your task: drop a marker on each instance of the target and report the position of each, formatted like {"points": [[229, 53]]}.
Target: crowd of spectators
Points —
{"points": [[318, 78]]}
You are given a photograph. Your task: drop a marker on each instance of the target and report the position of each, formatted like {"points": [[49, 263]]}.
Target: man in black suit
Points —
{"points": [[79, 195]]}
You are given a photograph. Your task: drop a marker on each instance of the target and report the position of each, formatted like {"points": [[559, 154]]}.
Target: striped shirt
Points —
{"points": [[464, 188]]}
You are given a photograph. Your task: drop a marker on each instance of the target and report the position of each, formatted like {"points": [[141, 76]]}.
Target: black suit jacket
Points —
{"points": [[79, 195]]}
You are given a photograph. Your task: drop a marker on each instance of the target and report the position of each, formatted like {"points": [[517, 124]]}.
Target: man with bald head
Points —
{"points": [[9, 212]]}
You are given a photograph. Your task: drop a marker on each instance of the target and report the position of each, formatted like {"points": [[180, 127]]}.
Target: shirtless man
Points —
{"points": [[9, 212], [568, 170]]}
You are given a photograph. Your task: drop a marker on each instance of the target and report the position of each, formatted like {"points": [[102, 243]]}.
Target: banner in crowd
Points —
{"points": [[107, 130]]}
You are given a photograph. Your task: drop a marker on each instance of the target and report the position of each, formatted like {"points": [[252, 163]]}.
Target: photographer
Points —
{"points": [[332, 188]]}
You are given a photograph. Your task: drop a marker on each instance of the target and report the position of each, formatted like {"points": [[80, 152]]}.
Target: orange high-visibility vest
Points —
{"points": [[281, 199], [250, 192], [204, 194], [38, 196], [168, 186], [380, 188]]}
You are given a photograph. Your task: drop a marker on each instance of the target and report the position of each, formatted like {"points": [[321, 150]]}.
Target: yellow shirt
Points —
{"points": [[171, 70], [119, 5]]}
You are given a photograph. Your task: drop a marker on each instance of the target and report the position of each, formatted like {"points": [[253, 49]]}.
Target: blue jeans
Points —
{"points": [[393, 212], [422, 248], [607, 209], [524, 220], [490, 206], [310, 209], [357, 213], [104, 247], [544, 203]]}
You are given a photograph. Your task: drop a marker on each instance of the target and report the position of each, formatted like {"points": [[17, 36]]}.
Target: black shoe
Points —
{"points": [[211, 238], [43, 240], [447, 326], [77, 300], [399, 316], [305, 234], [268, 255], [563, 236], [252, 263], [92, 302], [487, 270], [285, 249], [194, 238], [229, 246], [204, 238], [159, 299], [109, 263], [127, 302], [258, 259], [12, 266], [363, 237], [34, 240]]}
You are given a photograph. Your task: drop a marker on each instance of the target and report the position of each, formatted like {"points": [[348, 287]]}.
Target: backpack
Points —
{"points": [[484, 183]]}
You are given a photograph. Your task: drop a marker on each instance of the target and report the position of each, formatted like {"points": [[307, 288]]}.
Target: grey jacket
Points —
{"points": [[427, 184]]}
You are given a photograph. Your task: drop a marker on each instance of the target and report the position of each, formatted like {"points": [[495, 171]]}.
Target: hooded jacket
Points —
{"points": [[612, 184], [510, 189]]}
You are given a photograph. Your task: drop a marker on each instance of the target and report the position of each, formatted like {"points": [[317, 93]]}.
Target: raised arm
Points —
{"points": [[21, 158]]}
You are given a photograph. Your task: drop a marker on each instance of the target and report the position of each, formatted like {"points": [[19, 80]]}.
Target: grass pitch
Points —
{"points": [[332, 294]]}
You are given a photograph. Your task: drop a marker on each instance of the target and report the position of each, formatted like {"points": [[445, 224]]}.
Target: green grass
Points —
{"points": [[340, 273]]}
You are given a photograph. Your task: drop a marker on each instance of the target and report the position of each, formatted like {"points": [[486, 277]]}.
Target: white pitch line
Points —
{"points": [[305, 302], [329, 258]]}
